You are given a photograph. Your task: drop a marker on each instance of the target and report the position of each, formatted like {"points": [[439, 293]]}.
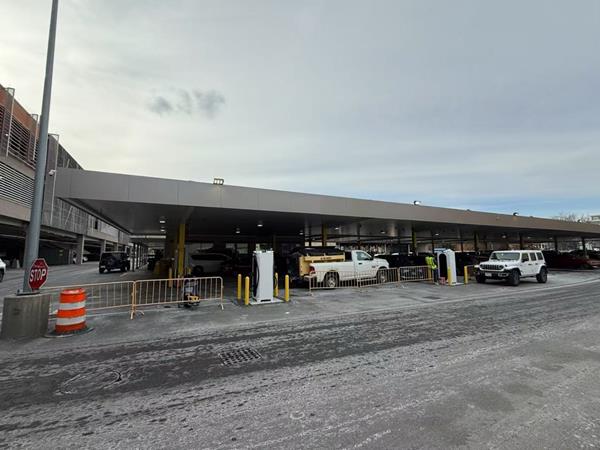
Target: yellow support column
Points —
{"points": [[286, 293], [247, 291], [466, 274], [180, 250], [239, 286], [449, 280], [276, 288]]}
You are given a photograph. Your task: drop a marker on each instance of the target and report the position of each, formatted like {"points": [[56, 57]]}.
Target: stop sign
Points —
{"points": [[38, 274]]}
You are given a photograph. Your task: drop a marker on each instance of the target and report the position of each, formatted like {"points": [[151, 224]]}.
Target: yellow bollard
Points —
{"points": [[247, 291], [170, 282], [466, 275], [276, 289], [449, 277], [286, 287], [239, 286]]}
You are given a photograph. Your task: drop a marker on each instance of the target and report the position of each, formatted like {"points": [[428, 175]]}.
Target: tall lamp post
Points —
{"points": [[32, 241]]}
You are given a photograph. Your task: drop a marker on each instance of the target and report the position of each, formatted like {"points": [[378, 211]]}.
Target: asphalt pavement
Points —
{"points": [[471, 367]]}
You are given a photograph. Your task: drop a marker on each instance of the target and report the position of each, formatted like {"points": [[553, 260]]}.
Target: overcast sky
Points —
{"points": [[469, 104]]}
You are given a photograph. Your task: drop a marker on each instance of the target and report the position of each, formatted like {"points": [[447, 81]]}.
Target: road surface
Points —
{"points": [[518, 370]]}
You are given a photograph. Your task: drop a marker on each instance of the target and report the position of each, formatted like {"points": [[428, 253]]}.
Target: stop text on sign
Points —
{"points": [[37, 274]]}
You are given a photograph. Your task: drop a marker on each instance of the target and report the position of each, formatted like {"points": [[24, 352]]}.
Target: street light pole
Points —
{"points": [[32, 241]]}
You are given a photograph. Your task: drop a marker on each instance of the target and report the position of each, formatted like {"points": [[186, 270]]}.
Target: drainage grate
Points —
{"points": [[239, 356]]}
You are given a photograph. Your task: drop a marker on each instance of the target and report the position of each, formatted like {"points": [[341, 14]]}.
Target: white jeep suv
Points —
{"points": [[512, 265]]}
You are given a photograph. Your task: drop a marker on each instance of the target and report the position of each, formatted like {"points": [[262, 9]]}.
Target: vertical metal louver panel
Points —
{"points": [[19, 142], [15, 186]]}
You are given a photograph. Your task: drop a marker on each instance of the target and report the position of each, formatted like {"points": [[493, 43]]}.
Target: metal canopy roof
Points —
{"points": [[136, 204]]}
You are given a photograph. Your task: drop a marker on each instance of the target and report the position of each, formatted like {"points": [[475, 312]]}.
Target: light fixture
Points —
{"points": [[259, 224], [337, 228], [162, 221], [301, 232], [382, 231], [416, 202], [237, 230], [503, 236], [219, 181], [436, 234]]}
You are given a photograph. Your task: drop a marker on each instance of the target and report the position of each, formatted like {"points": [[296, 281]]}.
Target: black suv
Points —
{"points": [[111, 261]]}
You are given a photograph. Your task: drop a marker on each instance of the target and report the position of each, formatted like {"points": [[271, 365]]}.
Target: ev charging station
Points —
{"points": [[446, 262], [263, 275]]}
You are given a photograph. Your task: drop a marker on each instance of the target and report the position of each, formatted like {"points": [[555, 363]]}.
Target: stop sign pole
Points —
{"points": [[32, 242]]}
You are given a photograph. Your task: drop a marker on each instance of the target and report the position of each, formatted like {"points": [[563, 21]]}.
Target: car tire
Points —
{"points": [[542, 277], [480, 279], [101, 270], [331, 280], [514, 278], [1, 275], [382, 277]]}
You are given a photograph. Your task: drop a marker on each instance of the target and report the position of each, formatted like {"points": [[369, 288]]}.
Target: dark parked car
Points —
{"points": [[113, 261], [569, 261], [403, 260]]}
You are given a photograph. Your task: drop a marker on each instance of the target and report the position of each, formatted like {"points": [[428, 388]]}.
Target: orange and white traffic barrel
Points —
{"points": [[70, 317]]}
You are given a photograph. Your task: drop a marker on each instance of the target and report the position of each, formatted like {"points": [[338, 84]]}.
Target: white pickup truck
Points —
{"points": [[357, 265]]}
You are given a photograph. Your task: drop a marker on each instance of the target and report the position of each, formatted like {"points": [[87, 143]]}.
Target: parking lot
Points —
{"points": [[429, 366]]}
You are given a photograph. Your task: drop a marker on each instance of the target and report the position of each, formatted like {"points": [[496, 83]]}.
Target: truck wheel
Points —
{"points": [[381, 276], [1, 275], [480, 278], [331, 280], [101, 270], [514, 278], [542, 277]]}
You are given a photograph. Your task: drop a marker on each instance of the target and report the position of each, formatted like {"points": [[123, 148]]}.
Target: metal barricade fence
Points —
{"points": [[351, 279], [176, 291], [332, 280], [99, 296], [414, 273]]}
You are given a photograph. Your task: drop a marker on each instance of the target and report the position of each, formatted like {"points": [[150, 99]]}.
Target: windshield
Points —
{"points": [[504, 256]]}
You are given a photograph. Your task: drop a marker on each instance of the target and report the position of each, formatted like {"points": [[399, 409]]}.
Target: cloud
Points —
{"points": [[209, 102], [160, 105], [189, 103]]}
